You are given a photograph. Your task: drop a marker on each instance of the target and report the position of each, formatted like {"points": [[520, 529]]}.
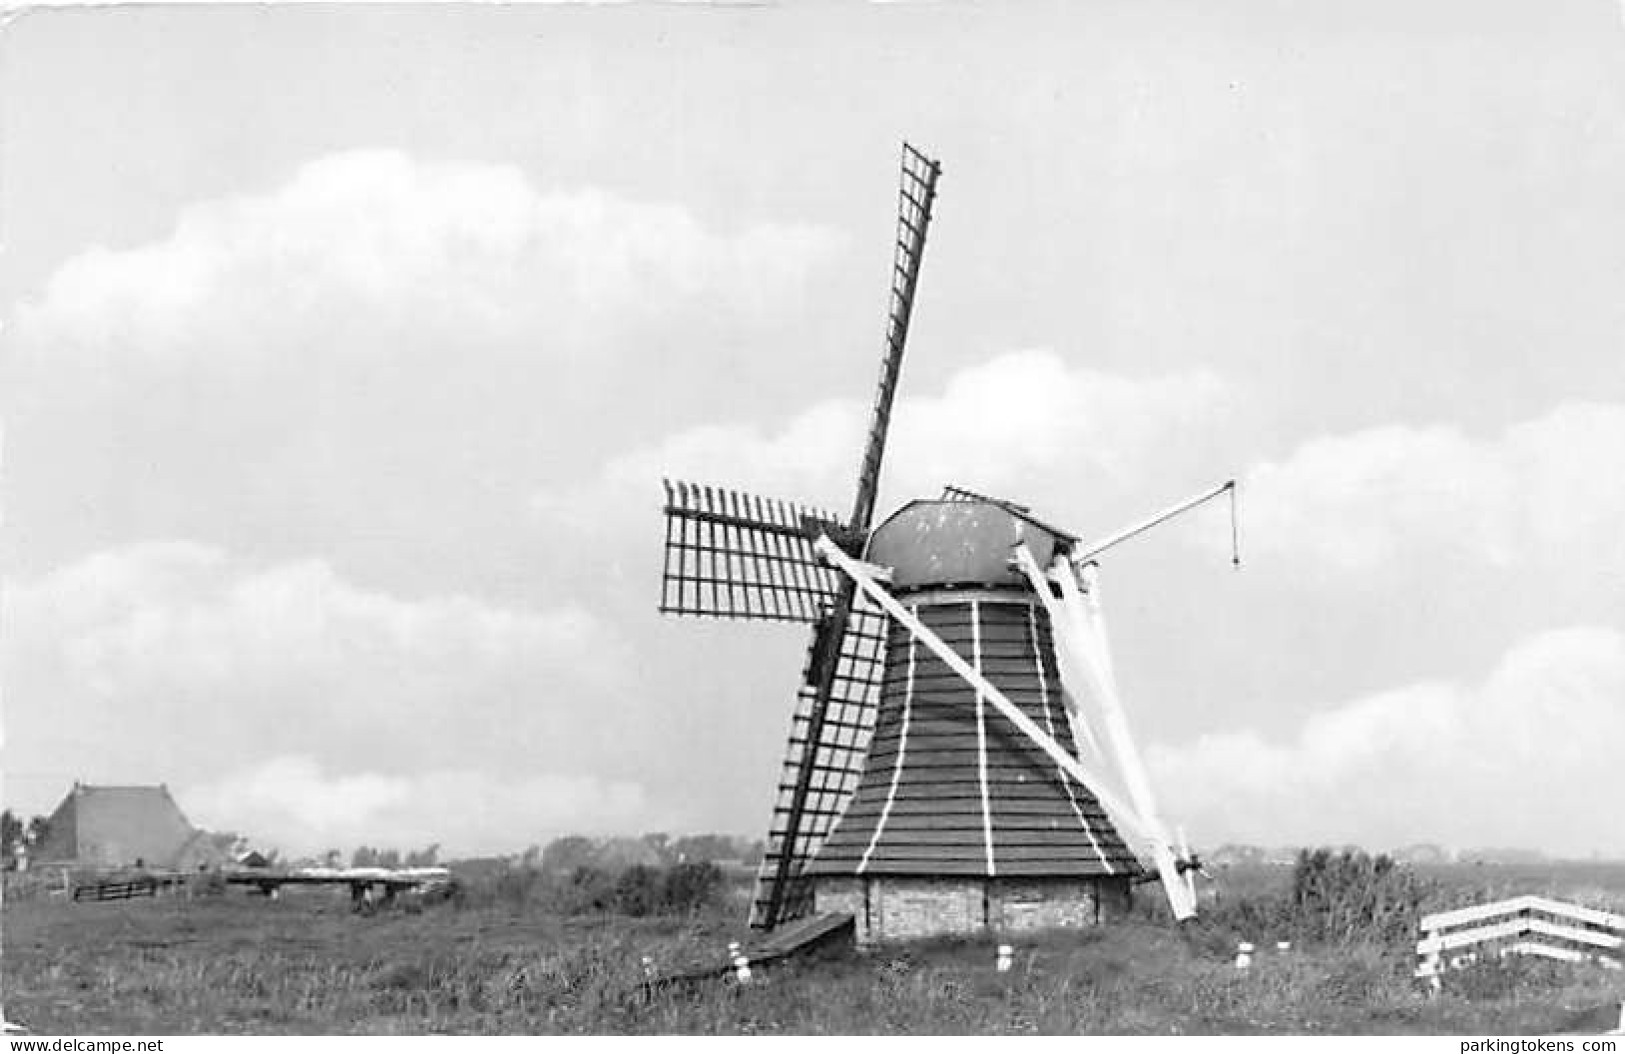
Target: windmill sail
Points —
{"points": [[916, 194], [736, 555], [834, 759]]}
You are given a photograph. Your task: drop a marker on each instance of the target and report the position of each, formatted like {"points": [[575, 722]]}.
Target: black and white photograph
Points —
{"points": [[836, 518]]}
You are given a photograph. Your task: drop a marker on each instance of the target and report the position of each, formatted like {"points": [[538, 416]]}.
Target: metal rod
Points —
{"points": [[1235, 527], [1083, 555]]}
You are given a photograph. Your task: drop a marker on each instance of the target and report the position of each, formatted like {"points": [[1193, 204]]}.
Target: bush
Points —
{"points": [[1337, 898], [687, 888], [206, 884], [1347, 896], [638, 891]]}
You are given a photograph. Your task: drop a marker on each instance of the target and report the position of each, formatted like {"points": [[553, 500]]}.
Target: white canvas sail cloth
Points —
{"points": [[1086, 664]]}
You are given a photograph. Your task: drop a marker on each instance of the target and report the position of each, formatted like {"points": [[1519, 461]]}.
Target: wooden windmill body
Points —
{"points": [[960, 823], [941, 777]]}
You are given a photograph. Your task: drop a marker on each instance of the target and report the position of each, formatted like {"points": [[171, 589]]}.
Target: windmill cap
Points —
{"points": [[936, 543]]}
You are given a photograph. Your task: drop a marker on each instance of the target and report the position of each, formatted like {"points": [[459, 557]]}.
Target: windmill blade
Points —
{"points": [[735, 555], [830, 752], [915, 197]]}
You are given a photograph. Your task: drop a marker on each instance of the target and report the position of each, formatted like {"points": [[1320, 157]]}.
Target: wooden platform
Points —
{"points": [[793, 938], [799, 936]]}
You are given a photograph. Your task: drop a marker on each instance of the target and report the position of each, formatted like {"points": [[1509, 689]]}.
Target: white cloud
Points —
{"points": [[1528, 757], [1022, 423], [371, 253], [290, 802], [174, 661], [1550, 489]]}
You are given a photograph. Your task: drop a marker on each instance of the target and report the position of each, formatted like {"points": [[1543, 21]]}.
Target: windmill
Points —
{"points": [[942, 775]]}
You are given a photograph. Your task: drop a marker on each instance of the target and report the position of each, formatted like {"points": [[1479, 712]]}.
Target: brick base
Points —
{"points": [[888, 908]]}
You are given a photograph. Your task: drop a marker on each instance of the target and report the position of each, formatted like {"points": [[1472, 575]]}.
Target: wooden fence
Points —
{"points": [[1527, 925], [140, 887]]}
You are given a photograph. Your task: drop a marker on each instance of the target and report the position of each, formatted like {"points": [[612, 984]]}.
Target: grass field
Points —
{"points": [[306, 964]]}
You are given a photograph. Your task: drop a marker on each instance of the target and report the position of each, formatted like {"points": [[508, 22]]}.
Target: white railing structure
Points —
{"points": [[1527, 925]]}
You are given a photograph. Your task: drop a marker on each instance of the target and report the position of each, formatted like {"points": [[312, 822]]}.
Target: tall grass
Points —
{"points": [[1333, 898], [523, 952]]}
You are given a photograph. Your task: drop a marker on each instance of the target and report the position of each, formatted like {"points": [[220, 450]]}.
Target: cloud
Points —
{"points": [[1550, 489], [175, 661], [290, 802], [375, 254], [1527, 757], [1021, 423]]}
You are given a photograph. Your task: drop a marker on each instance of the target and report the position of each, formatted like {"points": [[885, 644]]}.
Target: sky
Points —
{"points": [[344, 350]]}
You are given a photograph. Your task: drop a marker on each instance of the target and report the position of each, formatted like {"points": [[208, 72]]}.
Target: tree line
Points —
{"points": [[15, 832]]}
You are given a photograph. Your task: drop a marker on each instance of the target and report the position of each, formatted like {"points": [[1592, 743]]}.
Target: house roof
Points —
{"points": [[116, 826]]}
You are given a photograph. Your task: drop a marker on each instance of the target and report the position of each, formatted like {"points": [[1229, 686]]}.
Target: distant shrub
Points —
{"points": [[1350, 895], [638, 891], [688, 888], [1343, 897], [206, 884], [589, 890]]}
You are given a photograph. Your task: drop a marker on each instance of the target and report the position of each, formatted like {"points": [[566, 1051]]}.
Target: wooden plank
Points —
{"points": [[1462, 916], [1004, 763], [1596, 938], [1018, 811], [1077, 867], [1516, 927], [1528, 902], [798, 936], [1476, 935], [1577, 912], [1061, 841], [1122, 865], [1547, 951]]}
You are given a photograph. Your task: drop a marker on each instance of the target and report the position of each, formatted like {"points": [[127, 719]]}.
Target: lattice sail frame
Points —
{"points": [[735, 555], [848, 725], [732, 555], [783, 895]]}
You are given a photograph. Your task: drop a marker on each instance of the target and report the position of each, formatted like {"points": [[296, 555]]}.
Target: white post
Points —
{"points": [[740, 963], [1244, 955], [1006, 957]]}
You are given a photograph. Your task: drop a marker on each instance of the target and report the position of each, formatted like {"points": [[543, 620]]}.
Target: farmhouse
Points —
{"points": [[106, 827]]}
